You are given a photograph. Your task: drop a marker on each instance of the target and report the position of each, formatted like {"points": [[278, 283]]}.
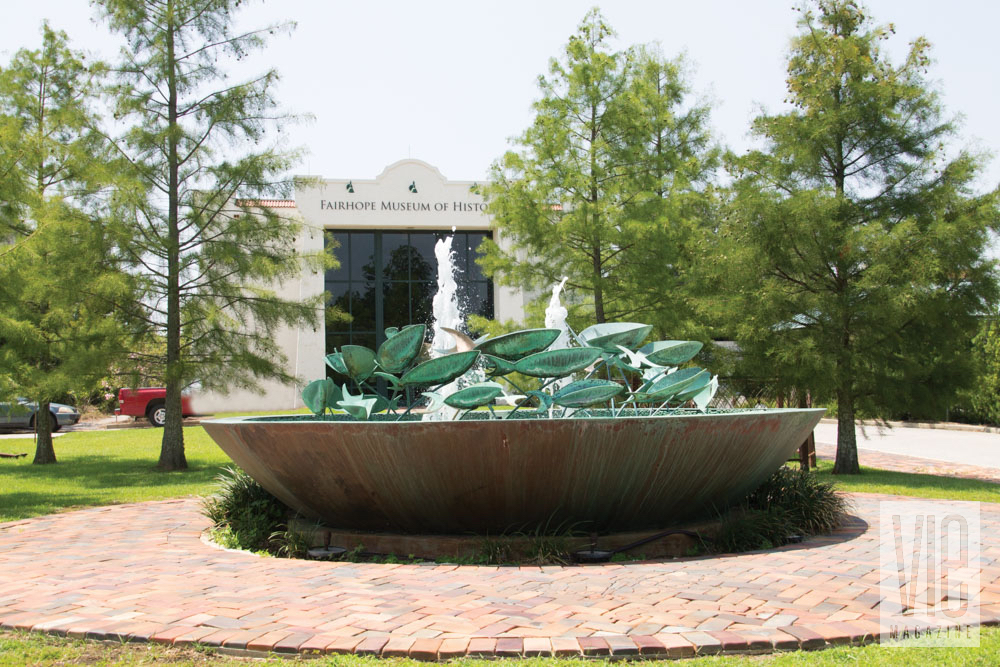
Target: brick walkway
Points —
{"points": [[141, 572]]}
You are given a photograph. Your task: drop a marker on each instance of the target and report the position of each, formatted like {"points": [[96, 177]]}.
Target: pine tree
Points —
{"points": [[606, 184], [210, 253], [58, 283], [853, 257]]}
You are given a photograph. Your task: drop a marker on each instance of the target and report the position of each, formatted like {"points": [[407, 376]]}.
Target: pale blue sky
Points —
{"points": [[449, 82]]}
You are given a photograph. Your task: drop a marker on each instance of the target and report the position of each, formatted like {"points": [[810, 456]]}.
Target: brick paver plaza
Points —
{"points": [[143, 572]]}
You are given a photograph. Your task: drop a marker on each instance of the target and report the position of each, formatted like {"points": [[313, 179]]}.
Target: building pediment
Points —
{"points": [[408, 194]]}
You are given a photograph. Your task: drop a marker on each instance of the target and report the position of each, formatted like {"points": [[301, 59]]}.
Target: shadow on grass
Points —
{"points": [[97, 471]]}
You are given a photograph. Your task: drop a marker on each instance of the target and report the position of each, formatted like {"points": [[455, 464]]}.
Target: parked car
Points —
{"points": [[149, 402], [21, 414]]}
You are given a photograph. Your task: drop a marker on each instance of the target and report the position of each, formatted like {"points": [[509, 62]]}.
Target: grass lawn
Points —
{"points": [[103, 468], [32, 649], [908, 484]]}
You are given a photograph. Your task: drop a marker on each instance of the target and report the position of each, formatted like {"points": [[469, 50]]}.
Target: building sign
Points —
{"points": [[403, 207]]}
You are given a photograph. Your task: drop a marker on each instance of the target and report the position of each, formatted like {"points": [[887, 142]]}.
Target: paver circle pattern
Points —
{"points": [[141, 572]]}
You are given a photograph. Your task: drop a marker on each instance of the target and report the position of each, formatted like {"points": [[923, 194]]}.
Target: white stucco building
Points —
{"points": [[385, 228]]}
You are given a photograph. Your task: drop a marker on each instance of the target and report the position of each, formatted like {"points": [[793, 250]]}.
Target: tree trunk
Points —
{"points": [[44, 452], [172, 448], [847, 443]]}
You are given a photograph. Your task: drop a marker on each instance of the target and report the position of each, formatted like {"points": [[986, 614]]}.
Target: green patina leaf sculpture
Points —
{"points": [[359, 407], [557, 363], [391, 379], [609, 335], [474, 396], [518, 344], [319, 395], [544, 402], [359, 361], [700, 384], [336, 362], [436, 401], [582, 393], [670, 385], [495, 366], [399, 350], [526, 352], [440, 370], [671, 352]]}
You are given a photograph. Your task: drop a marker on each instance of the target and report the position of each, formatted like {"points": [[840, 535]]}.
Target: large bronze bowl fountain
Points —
{"points": [[496, 475], [592, 453]]}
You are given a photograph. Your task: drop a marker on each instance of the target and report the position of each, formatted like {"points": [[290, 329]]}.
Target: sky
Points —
{"points": [[452, 83]]}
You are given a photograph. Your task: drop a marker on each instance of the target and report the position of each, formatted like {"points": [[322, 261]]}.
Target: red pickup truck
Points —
{"points": [[149, 402]]}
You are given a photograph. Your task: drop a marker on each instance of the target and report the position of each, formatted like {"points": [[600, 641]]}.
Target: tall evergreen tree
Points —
{"points": [[606, 183], [853, 256], [58, 286], [210, 253]]}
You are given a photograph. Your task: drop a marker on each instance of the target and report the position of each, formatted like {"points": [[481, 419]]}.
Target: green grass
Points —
{"points": [[103, 468], [908, 484], [32, 649]]}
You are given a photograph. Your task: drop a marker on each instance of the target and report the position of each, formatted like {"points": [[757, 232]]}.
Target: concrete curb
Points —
{"points": [[944, 426]]}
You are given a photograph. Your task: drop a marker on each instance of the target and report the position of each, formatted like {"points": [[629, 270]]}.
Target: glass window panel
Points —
{"points": [[396, 304], [459, 249], [476, 299], [366, 338], [341, 253], [423, 266], [421, 306], [475, 272], [362, 256], [395, 256], [337, 290], [338, 307], [363, 306]]}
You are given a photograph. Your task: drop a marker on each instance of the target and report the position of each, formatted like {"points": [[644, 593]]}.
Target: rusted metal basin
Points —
{"points": [[492, 476]]}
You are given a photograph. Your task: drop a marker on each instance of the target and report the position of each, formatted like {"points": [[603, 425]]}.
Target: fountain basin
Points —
{"points": [[497, 475]]}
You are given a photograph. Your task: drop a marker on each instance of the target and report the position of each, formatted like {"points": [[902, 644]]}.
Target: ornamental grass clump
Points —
{"points": [[790, 503], [244, 514]]}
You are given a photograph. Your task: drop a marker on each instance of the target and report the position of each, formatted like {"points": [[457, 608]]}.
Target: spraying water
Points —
{"points": [[555, 318], [447, 313], [445, 304]]}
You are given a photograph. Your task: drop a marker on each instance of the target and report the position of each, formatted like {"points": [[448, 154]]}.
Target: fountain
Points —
{"points": [[447, 313], [618, 437]]}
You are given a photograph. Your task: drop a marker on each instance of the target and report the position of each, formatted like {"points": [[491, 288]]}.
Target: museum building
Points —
{"points": [[384, 230]]}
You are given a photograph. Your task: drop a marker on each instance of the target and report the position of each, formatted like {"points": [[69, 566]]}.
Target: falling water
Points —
{"points": [[446, 310], [555, 318], [447, 313]]}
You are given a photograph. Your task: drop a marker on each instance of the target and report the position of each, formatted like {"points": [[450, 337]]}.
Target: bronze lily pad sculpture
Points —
{"points": [[614, 350]]}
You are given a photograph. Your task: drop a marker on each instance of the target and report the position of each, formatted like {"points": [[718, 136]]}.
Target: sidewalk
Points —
{"points": [[968, 448]]}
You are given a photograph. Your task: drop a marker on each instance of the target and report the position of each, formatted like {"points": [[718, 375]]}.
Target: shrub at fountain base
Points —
{"points": [[790, 505], [243, 514]]}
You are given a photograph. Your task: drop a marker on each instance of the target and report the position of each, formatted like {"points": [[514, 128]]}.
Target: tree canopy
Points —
{"points": [[851, 261], [607, 185], [211, 253], [59, 283]]}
